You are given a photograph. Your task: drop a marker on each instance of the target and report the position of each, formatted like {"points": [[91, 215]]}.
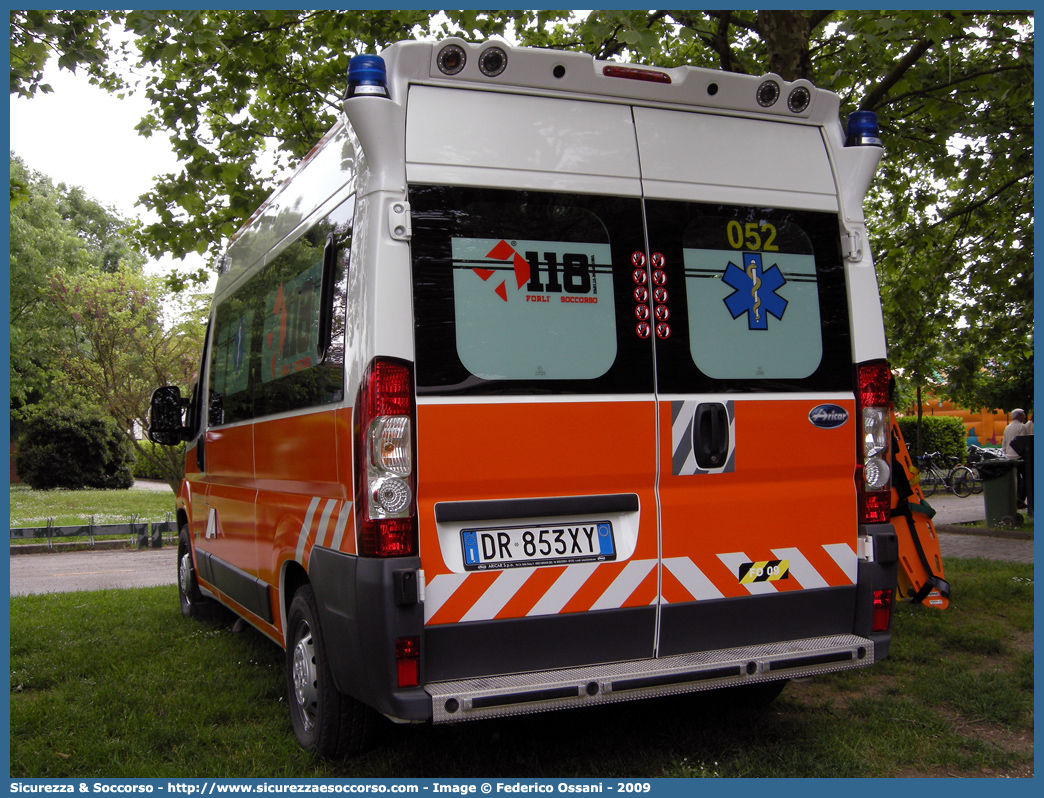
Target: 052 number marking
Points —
{"points": [[753, 237]]}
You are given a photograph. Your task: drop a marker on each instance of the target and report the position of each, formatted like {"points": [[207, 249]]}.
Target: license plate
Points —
{"points": [[524, 546]]}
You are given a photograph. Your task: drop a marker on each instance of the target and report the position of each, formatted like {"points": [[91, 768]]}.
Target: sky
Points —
{"points": [[83, 136]]}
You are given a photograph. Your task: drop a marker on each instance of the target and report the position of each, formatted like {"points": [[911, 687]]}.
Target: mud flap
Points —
{"points": [[920, 562]]}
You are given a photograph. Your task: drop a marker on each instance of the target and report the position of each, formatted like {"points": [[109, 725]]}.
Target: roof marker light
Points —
{"points": [[862, 130], [630, 73], [367, 75]]}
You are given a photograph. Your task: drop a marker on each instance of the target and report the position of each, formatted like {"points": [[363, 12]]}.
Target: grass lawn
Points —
{"points": [[118, 684], [69, 507]]}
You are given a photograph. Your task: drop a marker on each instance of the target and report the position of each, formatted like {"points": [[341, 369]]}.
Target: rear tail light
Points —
{"points": [[384, 461], [874, 472], [407, 661], [882, 610]]}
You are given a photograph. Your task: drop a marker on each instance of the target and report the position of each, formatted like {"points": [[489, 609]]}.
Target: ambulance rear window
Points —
{"points": [[757, 299], [525, 292]]}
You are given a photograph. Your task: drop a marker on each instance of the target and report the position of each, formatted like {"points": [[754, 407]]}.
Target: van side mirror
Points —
{"points": [[165, 426]]}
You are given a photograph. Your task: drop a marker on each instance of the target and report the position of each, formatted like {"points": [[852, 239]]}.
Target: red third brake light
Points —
{"points": [[874, 471], [385, 487], [630, 73]]}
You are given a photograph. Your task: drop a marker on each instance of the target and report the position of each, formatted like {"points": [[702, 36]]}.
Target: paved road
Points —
{"points": [[92, 570]]}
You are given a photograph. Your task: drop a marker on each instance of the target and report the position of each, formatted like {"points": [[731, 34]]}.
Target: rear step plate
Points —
{"points": [[519, 694]]}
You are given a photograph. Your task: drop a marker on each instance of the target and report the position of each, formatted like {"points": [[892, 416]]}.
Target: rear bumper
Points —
{"points": [[472, 699]]}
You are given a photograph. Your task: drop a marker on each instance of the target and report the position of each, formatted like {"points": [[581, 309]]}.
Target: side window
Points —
{"points": [[293, 372], [269, 355], [525, 292], [230, 358]]}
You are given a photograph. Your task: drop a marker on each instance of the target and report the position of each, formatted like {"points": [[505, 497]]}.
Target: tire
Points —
{"points": [[929, 481], [961, 481], [193, 603], [976, 485], [326, 722]]}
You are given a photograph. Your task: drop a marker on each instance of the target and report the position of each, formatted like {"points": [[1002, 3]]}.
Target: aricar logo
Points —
{"points": [[828, 416]]}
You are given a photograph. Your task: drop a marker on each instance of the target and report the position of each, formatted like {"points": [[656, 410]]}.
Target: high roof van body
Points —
{"points": [[547, 382]]}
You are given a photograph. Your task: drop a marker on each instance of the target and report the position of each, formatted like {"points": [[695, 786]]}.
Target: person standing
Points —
{"points": [[1015, 428]]}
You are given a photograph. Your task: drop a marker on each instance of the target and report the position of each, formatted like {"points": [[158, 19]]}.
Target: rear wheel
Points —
{"points": [[193, 603], [326, 722], [976, 485], [961, 481]]}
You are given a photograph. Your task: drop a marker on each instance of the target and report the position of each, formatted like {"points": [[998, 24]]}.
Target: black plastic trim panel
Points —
{"points": [[518, 645], [555, 506], [245, 589], [756, 620]]}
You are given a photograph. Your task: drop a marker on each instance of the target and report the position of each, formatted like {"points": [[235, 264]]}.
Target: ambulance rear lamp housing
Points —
{"points": [[385, 509], [874, 450], [452, 59], [492, 62]]}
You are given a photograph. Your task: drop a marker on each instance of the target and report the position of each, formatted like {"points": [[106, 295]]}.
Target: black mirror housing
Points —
{"points": [[165, 425]]}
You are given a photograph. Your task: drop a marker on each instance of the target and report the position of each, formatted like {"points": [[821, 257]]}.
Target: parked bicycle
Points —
{"points": [[976, 456], [941, 472]]}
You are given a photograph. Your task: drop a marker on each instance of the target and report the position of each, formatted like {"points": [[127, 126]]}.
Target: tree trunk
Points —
{"points": [[919, 447], [786, 35]]}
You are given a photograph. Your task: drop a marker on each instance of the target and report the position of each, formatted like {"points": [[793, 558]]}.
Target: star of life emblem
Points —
{"points": [[754, 291]]}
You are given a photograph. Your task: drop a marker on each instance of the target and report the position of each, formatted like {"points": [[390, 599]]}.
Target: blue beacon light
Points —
{"points": [[862, 130], [367, 75]]}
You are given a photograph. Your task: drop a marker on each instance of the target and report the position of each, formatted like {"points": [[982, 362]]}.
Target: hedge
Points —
{"points": [[944, 434], [72, 449]]}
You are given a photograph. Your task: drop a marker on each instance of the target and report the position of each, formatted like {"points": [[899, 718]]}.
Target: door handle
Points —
{"points": [[710, 435]]}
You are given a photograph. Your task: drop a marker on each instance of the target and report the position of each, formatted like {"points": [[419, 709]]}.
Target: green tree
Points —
{"points": [[121, 349], [951, 213], [54, 227]]}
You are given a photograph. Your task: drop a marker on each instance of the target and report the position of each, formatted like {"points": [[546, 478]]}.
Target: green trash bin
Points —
{"points": [[999, 492]]}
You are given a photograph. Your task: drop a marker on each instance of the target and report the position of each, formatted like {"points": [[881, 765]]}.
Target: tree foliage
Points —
{"points": [[54, 227], [121, 349], [951, 214]]}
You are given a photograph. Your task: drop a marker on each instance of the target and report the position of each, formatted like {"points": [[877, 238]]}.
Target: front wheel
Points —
{"points": [[325, 721], [193, 603], [961, 481], [929, 481]]}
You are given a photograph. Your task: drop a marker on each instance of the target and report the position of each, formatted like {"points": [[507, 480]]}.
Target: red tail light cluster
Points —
{"points": [[385, 490], [874, 472]]}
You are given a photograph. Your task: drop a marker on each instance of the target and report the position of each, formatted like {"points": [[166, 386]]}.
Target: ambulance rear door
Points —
{"points": [[755, 401], [536, 420]]}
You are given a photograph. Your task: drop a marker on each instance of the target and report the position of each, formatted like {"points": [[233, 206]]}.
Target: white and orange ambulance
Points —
{"points": [[547, 382]]}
